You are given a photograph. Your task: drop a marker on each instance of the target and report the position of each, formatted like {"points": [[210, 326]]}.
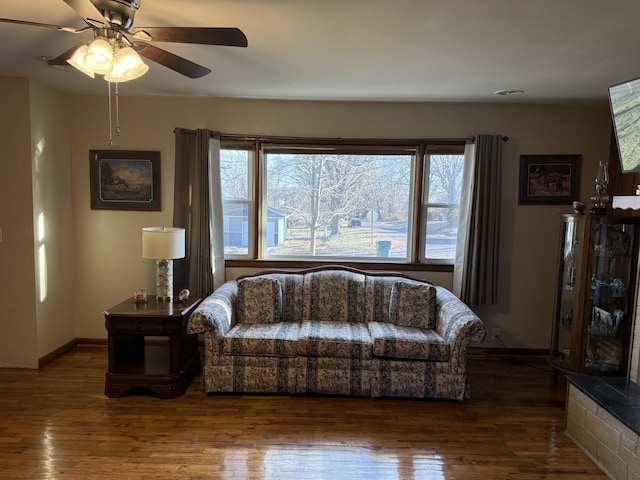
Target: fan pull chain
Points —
{"points": [[117, 97], [115, 67], [110, 122], [117, 111]]}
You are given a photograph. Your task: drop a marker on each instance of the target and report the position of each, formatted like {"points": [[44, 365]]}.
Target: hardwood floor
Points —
{"points": [[57, 424]]}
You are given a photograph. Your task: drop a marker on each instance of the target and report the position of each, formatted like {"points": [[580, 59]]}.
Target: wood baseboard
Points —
{"points": [[92, 342], [58, 352], [476, 352]]}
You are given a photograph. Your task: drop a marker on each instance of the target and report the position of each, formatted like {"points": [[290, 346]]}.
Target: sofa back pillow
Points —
{"points": [[334, 296], [413, 304], [259, 300]]}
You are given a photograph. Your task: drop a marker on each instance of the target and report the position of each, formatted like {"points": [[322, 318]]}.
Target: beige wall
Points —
{"points": [[36, 254], [94, 256], [108, 253], [18, 341]]}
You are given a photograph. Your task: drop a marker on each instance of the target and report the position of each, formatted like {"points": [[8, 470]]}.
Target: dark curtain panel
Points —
{"points": [[198, 209], [478, 272]]}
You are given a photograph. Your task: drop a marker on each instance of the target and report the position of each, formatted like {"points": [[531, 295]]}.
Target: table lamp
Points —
{"points": [[163, 244]]}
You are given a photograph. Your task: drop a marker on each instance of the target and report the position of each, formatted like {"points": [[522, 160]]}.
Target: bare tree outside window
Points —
{"points": [[328, 200], [234, 174]]}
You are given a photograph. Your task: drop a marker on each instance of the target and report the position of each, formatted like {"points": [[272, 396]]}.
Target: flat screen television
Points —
{"points": [[624, 100]]}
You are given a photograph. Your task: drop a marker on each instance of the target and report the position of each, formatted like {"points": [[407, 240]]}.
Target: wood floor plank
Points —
{"points": [[57, 424]]}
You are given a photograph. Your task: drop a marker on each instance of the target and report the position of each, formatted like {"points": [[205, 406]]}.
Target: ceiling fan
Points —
{"points": [[112, 22]]}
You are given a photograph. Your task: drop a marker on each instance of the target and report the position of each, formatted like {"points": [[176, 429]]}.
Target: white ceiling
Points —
{"points": [[406, 50]]}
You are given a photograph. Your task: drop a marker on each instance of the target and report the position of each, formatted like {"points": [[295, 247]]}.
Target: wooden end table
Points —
{"points": [[149, 347]]}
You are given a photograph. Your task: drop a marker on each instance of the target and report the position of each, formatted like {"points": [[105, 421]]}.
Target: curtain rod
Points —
{"points": [[504, 138], [342, 139], [213, 134], [186, 131]]}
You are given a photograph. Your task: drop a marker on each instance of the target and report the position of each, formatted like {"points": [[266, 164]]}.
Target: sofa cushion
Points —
{"points": [[413, 304], [396, 341], [377, 298], [270, 339], [259, 300], [334, 296], [292, 294], [334, 339]]}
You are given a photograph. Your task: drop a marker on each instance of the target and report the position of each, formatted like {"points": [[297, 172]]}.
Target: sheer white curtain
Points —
{"points": [[464, 218], [198, 209], [475, 274]]}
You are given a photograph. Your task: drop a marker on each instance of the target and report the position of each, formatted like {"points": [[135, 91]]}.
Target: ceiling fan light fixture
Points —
{"points": [[112, 52], [127, 66], [77, 61], [99, 57]]}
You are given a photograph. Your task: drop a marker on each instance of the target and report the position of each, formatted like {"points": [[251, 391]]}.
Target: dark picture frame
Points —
{"points": [[549, 179], [125, 180]]}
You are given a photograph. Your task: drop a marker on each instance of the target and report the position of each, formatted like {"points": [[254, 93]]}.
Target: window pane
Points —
{"points": [[443, 193], [442, 231], [445, 178], [337, 205], [234, 165], [236, 228], [236, 196]]}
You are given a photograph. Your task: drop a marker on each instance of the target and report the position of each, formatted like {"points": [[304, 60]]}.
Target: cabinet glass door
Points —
{"points": [[611, 271], [561, 340]]}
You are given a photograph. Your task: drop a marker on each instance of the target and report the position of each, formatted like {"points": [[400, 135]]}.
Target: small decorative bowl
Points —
{"points": [[578, 207]]}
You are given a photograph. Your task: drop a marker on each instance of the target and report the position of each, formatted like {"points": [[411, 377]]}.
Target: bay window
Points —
{"points": [[328, 201]]}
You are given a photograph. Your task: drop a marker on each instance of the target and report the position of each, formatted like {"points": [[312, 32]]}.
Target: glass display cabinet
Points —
{"points": [[593, 315]]}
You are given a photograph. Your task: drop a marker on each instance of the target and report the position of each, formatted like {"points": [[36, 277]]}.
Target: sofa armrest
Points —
{"points": [[457, 324], [216, 313]]}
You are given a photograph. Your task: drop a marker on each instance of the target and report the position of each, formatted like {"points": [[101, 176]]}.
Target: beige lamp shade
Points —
{"points": [[163, 243]]}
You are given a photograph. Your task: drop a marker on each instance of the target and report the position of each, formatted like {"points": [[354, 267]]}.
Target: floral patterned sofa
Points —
{"points": [[337, 331]]}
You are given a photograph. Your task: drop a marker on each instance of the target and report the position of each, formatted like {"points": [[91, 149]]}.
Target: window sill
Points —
{"points": [[380, 266]]}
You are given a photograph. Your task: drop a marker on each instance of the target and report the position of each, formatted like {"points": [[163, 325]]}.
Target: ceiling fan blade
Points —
{"points": [[89, 12], [231, 37], [36, 24], [63, 57], [169, 60]]}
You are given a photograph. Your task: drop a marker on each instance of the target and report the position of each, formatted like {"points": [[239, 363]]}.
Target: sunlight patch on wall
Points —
{"points": [[42, 273], [39, 149], [40, 231], [42, 259], [40, 224]]}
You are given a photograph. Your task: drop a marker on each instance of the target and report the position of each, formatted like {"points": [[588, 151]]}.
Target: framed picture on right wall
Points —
{"points": [[549, 179]]}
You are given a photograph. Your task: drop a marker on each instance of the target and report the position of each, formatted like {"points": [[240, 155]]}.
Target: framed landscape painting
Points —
{"points": [[125, 180], [549, 179]]}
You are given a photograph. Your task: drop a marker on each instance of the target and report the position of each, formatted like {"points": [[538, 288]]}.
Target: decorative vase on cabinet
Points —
{"points": [[594, 306]]}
